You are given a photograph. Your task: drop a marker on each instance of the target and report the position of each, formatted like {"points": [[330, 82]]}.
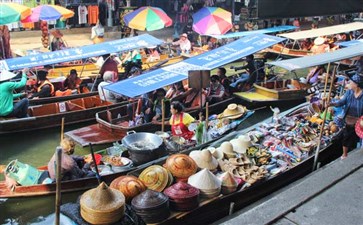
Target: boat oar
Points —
{"points": [[94, 161], [324, 119], [162, 115], [58, 195]]}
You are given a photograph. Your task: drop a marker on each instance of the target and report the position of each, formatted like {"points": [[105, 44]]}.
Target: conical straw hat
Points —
{"points": [[204, 159], [204, 179]]}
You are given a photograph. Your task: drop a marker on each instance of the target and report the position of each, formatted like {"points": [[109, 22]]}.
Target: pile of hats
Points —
{"points": [[208, 184], [156, 178]]}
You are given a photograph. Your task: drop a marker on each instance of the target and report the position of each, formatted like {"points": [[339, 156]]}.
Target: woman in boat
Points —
{"points": [[353, 109], [44, 88], [215, 92], [313, 76], [180, 121], [7, 107], [73, 167], [221, 72], [57, 42], [157, 106], [71, 85], [154, 54], [177, 89]]}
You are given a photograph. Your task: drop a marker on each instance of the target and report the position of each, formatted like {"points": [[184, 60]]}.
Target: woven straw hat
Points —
{"points": [[319, 41], [204, 159], [130, 186], [155, 177], [233, 111], [181, 165]]}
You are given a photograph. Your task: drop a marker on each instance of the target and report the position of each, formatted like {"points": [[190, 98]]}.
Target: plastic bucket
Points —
{"points": [[24, 174]]}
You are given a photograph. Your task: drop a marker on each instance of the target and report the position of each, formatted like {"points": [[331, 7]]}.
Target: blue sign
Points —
{"points": [[252, 32], [78, 53], [207, 61]]}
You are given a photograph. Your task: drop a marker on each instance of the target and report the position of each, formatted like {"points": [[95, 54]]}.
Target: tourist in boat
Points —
{"points": [[215, 91], [44, 88], [353, 109], [153, 53], [319, 46], [180, 121], [212, 43], [109, 64], [131, 59], [144, 110], [157, 105], [135, 71], [7, 107], [97, 33], [307, 44], [221, 72], [106, 95], [57, 42], [73, 167], [314, 73], [184, 45], [176, 91], [246, 78], [71, 85]]}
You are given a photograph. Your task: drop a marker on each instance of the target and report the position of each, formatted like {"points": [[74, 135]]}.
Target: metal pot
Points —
{"points": [[143, 147]]}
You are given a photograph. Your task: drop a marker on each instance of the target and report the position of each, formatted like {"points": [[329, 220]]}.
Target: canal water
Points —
{"points": [[36, 148]]}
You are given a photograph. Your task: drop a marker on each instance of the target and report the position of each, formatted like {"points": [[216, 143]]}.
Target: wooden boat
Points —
{"points": [[50, 115], [40, 101], [79, 184], [274, 93], [112, 125], [91, 70], [210, 210]]}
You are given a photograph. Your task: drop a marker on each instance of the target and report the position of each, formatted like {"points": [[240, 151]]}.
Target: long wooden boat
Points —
{"points": [[112, 125], [285, 52], [91, 70], [274, 93], [210, 210], [51, 114], [83, 183], [40, 101]]}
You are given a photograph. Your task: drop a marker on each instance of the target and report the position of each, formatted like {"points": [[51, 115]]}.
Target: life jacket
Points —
{"points": [[47, 82]]}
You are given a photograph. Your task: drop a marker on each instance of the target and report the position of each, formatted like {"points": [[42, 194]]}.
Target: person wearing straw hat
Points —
{"points": [[57, 42], [7, 107], [353, 109], [184, 44], [319, 46]]}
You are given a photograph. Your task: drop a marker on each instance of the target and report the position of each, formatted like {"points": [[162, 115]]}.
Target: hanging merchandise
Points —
{"points": [[45, 36]]}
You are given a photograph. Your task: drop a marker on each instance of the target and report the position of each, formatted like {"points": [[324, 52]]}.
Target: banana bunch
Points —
{"points": [[45, 36]]}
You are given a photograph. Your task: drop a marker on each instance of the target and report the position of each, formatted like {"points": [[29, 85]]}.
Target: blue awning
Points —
{"points": [[207, 61], [349, 43], [78, 53], [320, 59], [252, 32]]}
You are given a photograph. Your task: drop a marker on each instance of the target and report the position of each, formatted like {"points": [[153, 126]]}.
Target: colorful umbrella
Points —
{"points": [[12, 12], [48, 12], [212, 21], [147, 18]]}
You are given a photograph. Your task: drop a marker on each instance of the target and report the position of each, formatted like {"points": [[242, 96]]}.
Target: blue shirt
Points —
{"points": [[353, 105]]}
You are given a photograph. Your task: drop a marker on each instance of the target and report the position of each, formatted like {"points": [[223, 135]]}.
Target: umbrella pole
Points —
{"points": [[324, 119]]}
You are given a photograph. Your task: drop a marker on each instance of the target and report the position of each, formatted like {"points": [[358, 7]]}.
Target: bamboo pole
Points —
{"points": [[62, 129], [58, 196], [324, 119], [206, 115], [162, 115]]}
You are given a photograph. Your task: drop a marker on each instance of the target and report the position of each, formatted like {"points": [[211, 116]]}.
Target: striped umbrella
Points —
{"points": [[48, 12], [147, 18], [13, 12], [212, 21]]}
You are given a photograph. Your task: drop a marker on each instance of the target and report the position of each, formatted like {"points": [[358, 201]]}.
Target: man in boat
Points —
{"points": [[215, 92], [254, 72], [157, 106], [73, 167], [44, 88], [7, 107], [221, 72], [184, 45]]}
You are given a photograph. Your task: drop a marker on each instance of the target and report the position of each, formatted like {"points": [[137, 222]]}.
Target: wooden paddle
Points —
{"points": [[94, 161], [58, 196], [62, 129]]}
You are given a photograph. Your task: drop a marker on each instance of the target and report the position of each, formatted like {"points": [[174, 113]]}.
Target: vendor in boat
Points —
{"points": [[71, 85], [44, 88], [7, 107], [180, 121], [109, 64], [353, 109], [73, 167], [215, 91]]}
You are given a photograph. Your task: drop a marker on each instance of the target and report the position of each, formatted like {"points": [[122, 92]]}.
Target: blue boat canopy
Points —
{"points": [[207, 61], [84, 52], [349, 43], [261, 31], [320, 59]]}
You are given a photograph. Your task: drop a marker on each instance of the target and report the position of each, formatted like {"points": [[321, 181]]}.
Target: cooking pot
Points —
{"points": [[143, 147]]}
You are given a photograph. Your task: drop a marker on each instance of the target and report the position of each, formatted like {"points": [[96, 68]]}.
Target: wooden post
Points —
{"points": [[58, 197], [324, 119], [206, 115], [62, 129], [162, 115]]}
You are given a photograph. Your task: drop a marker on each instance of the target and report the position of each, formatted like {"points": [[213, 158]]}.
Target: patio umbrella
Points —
{"points": [[212, 21], [13, 12], [48, 12], [147, 18]]}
